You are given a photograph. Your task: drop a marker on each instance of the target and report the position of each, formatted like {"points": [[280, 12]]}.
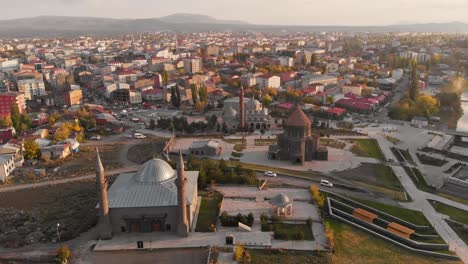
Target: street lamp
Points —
{"points": [[58, 231]]}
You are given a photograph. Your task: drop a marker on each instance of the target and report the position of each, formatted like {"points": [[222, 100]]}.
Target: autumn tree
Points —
{"points": [[5, 122], [31, 149], [267, 100], [194, 90]]}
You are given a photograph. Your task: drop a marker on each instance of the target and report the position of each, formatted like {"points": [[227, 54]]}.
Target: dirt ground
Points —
{"points": [[140, 153], [182, 256], [30, 216], [81, 163]]}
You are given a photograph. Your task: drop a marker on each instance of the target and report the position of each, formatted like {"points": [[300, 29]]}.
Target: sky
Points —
{"points": [[273, 12]]}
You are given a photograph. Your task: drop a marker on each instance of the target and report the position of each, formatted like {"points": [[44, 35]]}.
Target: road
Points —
{"points": [[304, 183], [67, 180]]}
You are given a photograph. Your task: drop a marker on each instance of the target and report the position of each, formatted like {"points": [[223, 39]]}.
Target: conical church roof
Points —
{"points": [[298, 118]]}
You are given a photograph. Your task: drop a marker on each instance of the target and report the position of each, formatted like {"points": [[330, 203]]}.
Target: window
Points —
{"points": [[168, 227], [122, 229]]}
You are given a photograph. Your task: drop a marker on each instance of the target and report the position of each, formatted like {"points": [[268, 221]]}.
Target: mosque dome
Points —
{"points": [[155, 171]]}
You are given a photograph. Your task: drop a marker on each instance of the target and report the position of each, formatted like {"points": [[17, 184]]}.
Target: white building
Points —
{"points": [[7, 166], [31, 88], [192, 65], [268, 80], [286, 61], [397, 74]]}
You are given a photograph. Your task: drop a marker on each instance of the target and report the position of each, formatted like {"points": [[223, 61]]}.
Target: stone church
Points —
{"points": [[297, 144], [156, 198]]}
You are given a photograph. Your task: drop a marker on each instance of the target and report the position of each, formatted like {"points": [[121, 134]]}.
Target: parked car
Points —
{"points": [[270, 174], [326, 183], [129, 136], [96, 137], [139, 136]]}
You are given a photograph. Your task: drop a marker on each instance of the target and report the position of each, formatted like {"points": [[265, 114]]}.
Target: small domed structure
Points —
{"points": [[155, 171], [282, 205]]}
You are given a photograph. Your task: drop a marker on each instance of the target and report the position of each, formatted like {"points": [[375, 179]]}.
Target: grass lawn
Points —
{"points": [[292, 229], [461, 232], [209, 211], [407, 155], [454, 213], [356, 246], [418, 179], [367, 148], [412, 216], [453, 198], [288, 257], [387, 177], [332, 143]]}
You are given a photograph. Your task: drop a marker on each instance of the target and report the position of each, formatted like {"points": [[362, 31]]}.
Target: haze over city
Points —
{"points": [[268, 12]]}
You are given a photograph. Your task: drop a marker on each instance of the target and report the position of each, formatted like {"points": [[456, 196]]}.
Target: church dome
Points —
{"points": [[154, 171], [298, 118]]}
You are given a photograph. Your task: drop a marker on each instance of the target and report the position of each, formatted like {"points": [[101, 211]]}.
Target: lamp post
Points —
{"points": [[58, 232]]}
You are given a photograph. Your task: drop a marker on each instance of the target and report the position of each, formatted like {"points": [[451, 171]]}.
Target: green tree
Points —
{"points": [[15, 117], [414, 82], [152, 124], [31, 149], [164, 77], [203, 94]]}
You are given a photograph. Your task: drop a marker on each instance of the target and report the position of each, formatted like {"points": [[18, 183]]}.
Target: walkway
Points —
{"points": [[420, 203], [61, 181]]}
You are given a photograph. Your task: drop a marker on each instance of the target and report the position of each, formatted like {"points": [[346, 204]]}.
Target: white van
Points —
{"points": [[326, 183]]}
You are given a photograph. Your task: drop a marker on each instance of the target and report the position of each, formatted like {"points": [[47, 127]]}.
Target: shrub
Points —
{"points": [[232, 221], [63, 253], [317, 196], [280, 234], [276, 219], [299, 235], [263, 218]]}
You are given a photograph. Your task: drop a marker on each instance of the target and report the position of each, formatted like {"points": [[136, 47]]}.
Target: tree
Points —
{"points": [[213, 121], [267, 100], [414, 82], [152, 124], [5, 122], [15, 117], [63, 253], [53, 118], [175, 96], [62, 133], [203, 94], [31, 149], [164, 77], [194, 90], [427, 105]]}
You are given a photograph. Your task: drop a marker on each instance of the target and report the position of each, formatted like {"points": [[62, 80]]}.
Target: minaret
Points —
{"points": [[241, 109], [104, 227], [182, 225]]}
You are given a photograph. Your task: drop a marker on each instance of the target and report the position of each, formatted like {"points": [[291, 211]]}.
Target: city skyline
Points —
{"points": [[301, 12]]}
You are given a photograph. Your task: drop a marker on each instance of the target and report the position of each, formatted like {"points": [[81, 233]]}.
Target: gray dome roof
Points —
{"points": [[154, 171], [280, 200], [230, 112]]}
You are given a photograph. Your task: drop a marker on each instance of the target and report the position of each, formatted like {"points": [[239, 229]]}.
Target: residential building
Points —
{"points": [[7, 100], [31, 88], [268, 80], [192, 65], [7, 166]]}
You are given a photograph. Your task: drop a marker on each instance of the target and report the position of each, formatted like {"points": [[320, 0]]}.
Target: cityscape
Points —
{"points": [[188, 138]]}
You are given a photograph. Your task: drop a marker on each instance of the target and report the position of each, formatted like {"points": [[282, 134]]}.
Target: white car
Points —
{"points": [[129, 136], [97, 137], [326, 183], [139, 136], [270, 174]]}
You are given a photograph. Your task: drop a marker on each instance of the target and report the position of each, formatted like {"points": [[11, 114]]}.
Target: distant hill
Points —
{"points": [[193, 18], [72, 26]]}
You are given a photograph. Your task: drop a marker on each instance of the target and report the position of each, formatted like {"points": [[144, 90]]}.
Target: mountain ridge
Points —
{"points": [[182, 22]]}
